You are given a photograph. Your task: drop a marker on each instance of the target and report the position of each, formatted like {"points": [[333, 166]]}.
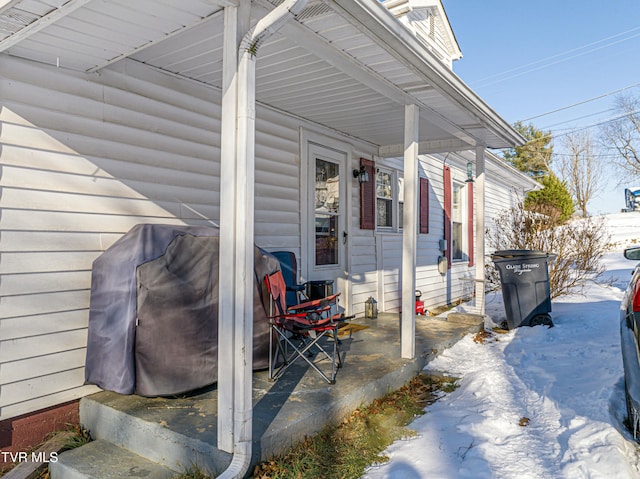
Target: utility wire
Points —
{"points": [[483, 82], [573, 105], [548, 127], [568, 131]]}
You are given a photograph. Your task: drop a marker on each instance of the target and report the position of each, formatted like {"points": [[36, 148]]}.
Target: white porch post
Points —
{"points": [[237, 177], [236, 23], [480, 192], [410, 231]]}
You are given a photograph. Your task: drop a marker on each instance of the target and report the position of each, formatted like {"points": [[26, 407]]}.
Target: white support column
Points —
{"points": [[410, 232], [245, 186], [480, 192], [237, 226], [236, 23]]}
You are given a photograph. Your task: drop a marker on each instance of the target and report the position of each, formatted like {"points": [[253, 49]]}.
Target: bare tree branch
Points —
{"points": [[580, 169], [579, 244], [621, 137]]}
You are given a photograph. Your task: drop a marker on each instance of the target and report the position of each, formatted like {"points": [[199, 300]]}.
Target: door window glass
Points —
{"points": [[327, 210]]}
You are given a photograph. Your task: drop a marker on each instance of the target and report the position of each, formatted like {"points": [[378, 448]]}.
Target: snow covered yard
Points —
{"points": [[534, 402]]}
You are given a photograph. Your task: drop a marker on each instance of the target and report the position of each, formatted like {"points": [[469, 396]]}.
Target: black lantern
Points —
{"points": [[362, 174], [371, 308], [469, 172]]}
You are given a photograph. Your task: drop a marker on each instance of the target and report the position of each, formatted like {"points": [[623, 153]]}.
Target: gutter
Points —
{"points": [[245, 163]]}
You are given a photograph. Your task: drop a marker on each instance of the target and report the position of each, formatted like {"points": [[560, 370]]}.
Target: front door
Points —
{"points": [[326, 213]]}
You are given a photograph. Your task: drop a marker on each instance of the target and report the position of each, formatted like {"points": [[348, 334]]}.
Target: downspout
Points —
{"points": [[245, 163]]}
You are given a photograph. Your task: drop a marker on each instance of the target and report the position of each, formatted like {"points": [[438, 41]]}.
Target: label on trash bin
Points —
{"points": [[522, 268]]}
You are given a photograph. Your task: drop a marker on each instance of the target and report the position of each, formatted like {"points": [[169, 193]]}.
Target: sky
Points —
{"points": [[567, 381], [528, 59]]}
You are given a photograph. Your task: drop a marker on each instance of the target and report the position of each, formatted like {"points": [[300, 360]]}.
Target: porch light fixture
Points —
{"points": [[362, 174], [469, 172]]}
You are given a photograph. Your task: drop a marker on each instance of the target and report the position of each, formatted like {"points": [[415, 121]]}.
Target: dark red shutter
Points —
{"points": [[448, 209], [424, 206], [470, 230], [368, 197]]}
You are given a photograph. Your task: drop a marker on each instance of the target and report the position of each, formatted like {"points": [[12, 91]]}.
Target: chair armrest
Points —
{"points": [[295, 287], [315, 303]]}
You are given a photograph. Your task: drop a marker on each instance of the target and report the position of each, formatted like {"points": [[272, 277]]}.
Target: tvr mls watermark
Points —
{"points": [[29, 456]]}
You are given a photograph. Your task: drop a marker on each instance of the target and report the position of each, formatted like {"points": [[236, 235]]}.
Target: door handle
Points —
{"points": [[344, 237]]}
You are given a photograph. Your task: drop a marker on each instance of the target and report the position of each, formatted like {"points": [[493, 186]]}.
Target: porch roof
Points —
{"points": [[345, 64]]}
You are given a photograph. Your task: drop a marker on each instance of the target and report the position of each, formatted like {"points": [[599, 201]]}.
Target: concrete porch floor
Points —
{"points": [[180, 432]]}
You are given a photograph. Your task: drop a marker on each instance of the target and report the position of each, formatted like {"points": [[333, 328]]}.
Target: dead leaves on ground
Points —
{"points": [[486, 336]]}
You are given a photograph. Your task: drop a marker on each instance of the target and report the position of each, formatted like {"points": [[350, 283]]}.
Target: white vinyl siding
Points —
{"points": [[83, 158], [504, 188]]}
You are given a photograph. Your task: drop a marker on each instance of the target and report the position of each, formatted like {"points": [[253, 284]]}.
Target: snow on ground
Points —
{"points": [[564, 384]]}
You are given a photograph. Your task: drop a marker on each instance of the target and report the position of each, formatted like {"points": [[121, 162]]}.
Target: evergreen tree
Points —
{"points": [[534, 157], [554, 200]]}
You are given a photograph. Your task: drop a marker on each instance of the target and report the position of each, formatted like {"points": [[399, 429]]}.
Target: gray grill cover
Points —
{"points": [[153, 320]]}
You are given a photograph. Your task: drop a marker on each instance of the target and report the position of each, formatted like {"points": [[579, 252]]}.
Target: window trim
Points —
{"points": [[396, 177], [458, 218], [466, 219]]}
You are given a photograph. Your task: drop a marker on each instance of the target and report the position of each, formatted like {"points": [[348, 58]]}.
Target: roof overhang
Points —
{"points": [[349, 65]]}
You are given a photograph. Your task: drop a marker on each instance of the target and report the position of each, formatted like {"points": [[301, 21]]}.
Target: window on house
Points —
{"points": [[384, 199], [456, 222], [389, 200], [400, 202]]}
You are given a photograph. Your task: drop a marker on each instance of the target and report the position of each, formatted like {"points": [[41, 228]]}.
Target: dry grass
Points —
{"points": [[344, 451]]}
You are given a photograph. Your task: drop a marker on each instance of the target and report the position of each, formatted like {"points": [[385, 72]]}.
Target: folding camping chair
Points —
{"points": [[289, 267], [297, 331]]}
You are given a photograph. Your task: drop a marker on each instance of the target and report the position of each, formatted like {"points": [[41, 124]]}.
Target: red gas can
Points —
{"points": [[419, 304]]}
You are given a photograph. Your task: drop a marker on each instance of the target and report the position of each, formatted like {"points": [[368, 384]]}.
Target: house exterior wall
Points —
{"points": [[436, 289], [82, 161], [505, 187], [83, 158]]}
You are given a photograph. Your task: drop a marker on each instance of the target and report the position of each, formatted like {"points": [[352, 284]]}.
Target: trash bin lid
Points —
{"points": [[518, 253]]}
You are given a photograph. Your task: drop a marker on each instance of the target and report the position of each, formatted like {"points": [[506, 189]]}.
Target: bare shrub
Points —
{"points": [[579, 245]]}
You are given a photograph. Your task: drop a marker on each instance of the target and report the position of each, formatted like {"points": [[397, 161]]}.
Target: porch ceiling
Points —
{"points": [[345, 64]]}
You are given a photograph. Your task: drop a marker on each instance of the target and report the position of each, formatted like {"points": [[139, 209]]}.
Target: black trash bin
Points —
{"points": [[524, 275]]}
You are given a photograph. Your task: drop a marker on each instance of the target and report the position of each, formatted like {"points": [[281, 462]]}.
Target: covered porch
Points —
{"points": [[284, 412], [164, 111]]}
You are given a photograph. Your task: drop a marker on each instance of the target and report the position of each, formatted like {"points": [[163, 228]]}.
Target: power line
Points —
{"points": [[569, 131], [604, 95], [548, 127], [482, 82]]}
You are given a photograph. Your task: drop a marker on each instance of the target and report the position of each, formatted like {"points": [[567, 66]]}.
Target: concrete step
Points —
{"points": [[466, 318], [103, 460], [176, 433]]}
